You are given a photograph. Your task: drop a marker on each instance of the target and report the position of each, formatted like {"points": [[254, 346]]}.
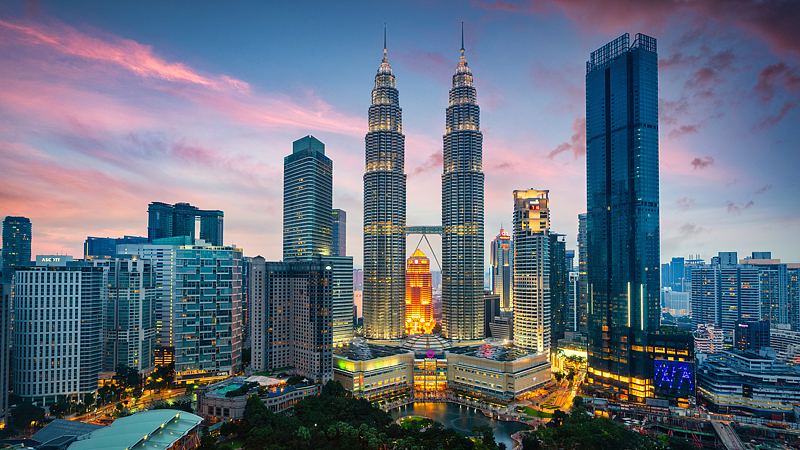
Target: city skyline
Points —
{"points": [[88, 92]]}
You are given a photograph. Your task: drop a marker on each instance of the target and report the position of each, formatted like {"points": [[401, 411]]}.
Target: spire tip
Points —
{"points": [[462, 38]]}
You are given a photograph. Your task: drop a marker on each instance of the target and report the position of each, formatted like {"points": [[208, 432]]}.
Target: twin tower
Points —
{"points": [[385, 211]]}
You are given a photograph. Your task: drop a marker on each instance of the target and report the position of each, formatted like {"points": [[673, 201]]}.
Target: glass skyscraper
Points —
{"points": [[339, 233], [502, 259], [180, 219], [384, 211], [462, 211], [622, 220], [307, 200], [16, 245]]}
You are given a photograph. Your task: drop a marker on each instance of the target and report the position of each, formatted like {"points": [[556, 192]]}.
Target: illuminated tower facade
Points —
{"points": [[462, 211], [532, 322], [419, 306], [622, 220], [384, 211], [502, 269]]}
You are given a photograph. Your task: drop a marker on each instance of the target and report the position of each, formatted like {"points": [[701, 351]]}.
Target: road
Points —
{"points": [[728, 436], [140, 404]]}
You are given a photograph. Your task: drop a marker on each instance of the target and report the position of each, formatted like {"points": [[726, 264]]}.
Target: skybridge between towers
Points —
{"points": [[425, 230]]}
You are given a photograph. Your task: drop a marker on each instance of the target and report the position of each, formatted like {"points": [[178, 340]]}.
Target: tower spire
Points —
{"points": [[462, 38], [384, 38]]}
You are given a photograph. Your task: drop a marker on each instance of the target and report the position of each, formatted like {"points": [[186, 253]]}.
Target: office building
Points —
{"points": [[570, 255], [776, 287], [462, 211], [16, 245], [208, 320], [339, 233], [583, 279], [622, 220], [419, 300], [708, 338], [343, 299], [666, 277], [307, 200], [247, 266], [58, 335], [751, 335], [292, 324], [491, 309], [748, 382], [384, 211], [129, 329], [672, 366], [532, 322], [559, 301], [676, 270], [679, 304], [725, 293], [99, 247], [573, 313], [180, 219], [6, 340], [502, 254], [786, 343], [163, 254]]}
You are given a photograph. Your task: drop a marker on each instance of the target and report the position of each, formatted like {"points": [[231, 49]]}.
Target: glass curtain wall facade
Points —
{"points": [[307, 200], [339, 233], [384, 211], [502, 260], [16, 245], [419, 303], [583, 279], [462, 211], [622, 214], [180, 219], [532, 323], [559, 302]]}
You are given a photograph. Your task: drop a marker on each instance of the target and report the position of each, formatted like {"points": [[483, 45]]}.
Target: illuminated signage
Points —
{"points": [[431, 354]]}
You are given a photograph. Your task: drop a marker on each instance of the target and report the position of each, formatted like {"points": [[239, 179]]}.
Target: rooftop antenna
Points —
{"points": [[462, 38], [384, 38]]}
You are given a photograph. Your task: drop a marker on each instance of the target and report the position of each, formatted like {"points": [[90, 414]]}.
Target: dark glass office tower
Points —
{"points": [[16, 245], [339, 233], [462, 211], [384, 211], [622, 214], [559, 276], [307, 200], [180, 219]]}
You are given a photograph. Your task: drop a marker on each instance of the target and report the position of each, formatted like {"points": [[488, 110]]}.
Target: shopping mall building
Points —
{"points": [[427, 365]]}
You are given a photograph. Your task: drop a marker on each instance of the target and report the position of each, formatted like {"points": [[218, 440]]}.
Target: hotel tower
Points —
{"points": [[462, 211], [385, 211]]}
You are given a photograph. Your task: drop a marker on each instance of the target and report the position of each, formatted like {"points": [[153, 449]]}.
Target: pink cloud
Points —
{"points": [[577, 143]]}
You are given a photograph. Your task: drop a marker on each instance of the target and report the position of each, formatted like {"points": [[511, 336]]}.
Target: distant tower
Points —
{"points": [[462, 211], [502, 259], [622, 214], [307, 200], [339, 233], [532, 270], [419, 305], [16, 245], [384, 210]]}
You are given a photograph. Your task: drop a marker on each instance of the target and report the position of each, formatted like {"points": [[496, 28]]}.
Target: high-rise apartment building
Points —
{"points": [[163, 254], [99, 247], [573, 314], [502, 260], [208, 318], [532, 323], [773, 287], [622, 220], [307, 200], [462, 211], [291, 315], [180, 219], [129, 328], [559, 295], [725, 293], [583, 278], [419, 300], [384, 210], [343, 300], [339, 233], [6, 340], [58, 334], [16, 245]]}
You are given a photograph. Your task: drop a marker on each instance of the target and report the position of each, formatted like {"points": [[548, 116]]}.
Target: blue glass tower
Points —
{"points": [[622, 214]]}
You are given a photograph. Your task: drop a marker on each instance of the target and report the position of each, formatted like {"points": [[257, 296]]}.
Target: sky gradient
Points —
{"points": [[108, 106]]}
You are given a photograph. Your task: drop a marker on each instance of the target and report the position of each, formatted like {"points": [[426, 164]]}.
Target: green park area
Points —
{"points": [[536, 413]]}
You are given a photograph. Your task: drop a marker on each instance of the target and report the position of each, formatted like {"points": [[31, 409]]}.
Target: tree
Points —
{"points": [[487, 435], [207, 442], [558, 417], [127, 377], [27, 416], [334, 389], [88, 398]]}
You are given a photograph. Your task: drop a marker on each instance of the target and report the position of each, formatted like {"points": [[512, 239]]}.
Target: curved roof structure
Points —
{"points": [[153, 430], [421, 342]]}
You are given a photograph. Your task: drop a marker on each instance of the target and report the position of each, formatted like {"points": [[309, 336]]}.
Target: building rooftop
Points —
{"points": [[507, 352], [362, 351], [154, 430], [62, 430], [422, 342]]}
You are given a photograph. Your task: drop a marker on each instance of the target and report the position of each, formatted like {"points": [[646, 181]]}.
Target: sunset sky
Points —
{"points": [[108, 106]]}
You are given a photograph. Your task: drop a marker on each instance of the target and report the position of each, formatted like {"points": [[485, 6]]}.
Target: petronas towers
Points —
{"points": [[385, 211]]}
